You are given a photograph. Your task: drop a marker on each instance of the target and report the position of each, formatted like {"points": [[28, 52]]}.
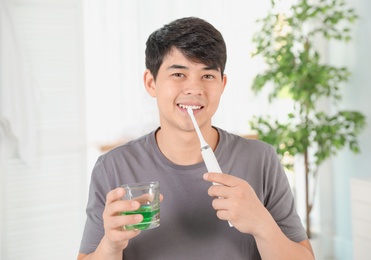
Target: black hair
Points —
{"points": [[195, 38]]}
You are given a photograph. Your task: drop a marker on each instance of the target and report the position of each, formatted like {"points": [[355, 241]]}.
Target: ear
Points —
{"points": [[224, 83], [149, 83]]}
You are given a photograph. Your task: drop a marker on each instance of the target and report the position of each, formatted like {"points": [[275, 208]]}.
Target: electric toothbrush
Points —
{"points": [[207, 153]]}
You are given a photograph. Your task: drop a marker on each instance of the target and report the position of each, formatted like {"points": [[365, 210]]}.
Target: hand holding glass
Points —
{"points": [[148, 195]]}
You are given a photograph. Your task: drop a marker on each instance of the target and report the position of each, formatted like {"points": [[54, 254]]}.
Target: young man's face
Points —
{"points": [[181, 83]]}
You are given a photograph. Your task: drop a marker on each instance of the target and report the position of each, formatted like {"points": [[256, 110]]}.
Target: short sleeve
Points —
{"points": [[279, 200], [94, 229]]}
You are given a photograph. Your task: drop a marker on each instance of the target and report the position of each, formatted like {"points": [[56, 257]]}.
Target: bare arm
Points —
{"points": [[237, 202], [115, 239], [273, 244], [102, 252]]}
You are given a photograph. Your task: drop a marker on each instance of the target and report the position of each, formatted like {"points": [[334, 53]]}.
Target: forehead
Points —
{"points": [[176, 59], [175, 55]]}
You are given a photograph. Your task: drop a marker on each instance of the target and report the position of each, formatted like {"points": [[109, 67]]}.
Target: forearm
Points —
{"points": [[103, 251], [273, 244]]}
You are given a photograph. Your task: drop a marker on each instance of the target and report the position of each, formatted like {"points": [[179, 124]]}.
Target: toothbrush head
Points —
{"points": [[190, 111]]}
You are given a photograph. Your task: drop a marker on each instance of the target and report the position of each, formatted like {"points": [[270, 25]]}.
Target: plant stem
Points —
{"points": [[307, 203]]}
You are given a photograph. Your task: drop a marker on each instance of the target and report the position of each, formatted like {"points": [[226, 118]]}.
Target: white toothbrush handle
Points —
{"points": [[208, 155], [211, 163], [210, 160]]}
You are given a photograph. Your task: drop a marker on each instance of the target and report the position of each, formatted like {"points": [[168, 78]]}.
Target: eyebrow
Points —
{"points": [[177, 66]]}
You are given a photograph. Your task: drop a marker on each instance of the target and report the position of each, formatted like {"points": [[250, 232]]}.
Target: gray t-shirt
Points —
{"points": [[189, 226]]}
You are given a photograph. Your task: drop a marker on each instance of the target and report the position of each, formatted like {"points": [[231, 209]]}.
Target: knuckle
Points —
{"points": [[220, 214], [214, 203], [210, 191], [239, 193], [108, 195]]}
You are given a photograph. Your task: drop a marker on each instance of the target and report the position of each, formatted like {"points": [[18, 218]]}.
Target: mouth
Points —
{"points": [[194, 107]]}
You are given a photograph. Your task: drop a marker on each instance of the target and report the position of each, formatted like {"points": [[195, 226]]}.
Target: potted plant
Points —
{"points": [[287, 42]]}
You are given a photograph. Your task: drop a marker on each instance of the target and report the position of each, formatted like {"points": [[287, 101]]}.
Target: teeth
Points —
{"points": [[186, 107]]}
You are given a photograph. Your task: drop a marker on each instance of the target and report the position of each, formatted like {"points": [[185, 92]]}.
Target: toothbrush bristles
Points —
{"points": [[198, 131]]}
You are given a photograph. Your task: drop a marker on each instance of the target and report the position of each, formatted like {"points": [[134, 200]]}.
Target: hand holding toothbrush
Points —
{"points": [[236, 201], [207, 153]]}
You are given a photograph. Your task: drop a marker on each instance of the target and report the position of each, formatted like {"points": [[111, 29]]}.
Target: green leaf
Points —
{"points": [[297, 70]]}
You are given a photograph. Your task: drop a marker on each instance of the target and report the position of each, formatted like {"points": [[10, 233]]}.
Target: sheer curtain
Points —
{"points": [[43, 200], [17, 111], [17, 132]]}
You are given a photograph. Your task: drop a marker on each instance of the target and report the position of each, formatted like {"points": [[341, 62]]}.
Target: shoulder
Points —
{"points": [[115, 166], [235, 141], [246, 151], [133, 147]]}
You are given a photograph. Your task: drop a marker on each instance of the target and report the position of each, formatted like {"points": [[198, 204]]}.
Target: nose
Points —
{"points": [[193, 87]]}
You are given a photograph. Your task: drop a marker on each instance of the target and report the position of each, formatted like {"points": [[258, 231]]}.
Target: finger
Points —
{"points": [[147, 197], [222, 178], [118, 222], [220, 191], [121, 206], [223, 214], [114, 195], [220, 204]]}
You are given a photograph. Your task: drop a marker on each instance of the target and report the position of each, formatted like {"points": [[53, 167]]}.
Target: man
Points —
{"points": [[185, 63]]}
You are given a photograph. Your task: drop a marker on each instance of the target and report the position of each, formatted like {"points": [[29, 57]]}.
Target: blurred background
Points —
{"points": [[71, 88]]}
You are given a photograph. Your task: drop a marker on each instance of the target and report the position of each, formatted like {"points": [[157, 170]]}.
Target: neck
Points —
{"points": [[184, 148]]}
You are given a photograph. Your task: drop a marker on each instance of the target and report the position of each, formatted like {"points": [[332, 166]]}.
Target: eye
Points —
{"points": [[177, 75], [209, 76]]}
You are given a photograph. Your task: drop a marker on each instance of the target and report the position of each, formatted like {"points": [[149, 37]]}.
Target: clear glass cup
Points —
{"points": [[148, 195]]}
